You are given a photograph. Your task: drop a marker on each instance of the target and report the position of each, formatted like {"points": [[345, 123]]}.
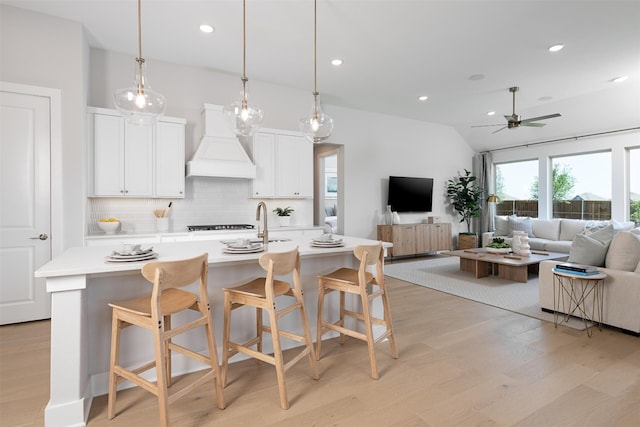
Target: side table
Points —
{"points": [[577, 289]]}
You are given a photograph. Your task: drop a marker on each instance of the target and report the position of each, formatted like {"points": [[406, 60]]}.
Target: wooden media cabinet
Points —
{"points": [[414, 239]]}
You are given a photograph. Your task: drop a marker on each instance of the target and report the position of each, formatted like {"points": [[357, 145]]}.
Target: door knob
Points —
{"points": [[43, 236]]}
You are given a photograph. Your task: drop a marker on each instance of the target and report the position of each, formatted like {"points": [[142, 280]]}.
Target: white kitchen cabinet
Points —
{"points": [[169, 160], [264, 157], [129, 160], [284, 165]]}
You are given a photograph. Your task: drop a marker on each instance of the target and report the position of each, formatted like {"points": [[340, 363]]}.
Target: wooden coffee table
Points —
{"points": [[508, 266]]}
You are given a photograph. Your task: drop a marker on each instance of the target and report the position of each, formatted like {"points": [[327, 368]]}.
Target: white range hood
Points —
{"points": [[220, 153]]}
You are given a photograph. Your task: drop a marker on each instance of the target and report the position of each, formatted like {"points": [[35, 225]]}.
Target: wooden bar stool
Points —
{"points": [[261, 294], [154, 313], [348, 280]]}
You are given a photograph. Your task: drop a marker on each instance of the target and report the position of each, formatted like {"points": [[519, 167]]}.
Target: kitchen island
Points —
{"points": [[82, 283]]}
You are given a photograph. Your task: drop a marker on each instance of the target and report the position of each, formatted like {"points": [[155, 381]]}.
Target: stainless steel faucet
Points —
{"points": [[265, 231]]}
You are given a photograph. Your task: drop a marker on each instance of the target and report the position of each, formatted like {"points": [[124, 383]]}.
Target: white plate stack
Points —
{"points": [[326, 242], [138, 255], [243, 248]]}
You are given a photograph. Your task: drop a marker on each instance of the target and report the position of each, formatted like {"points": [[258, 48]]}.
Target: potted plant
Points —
{"points": [[498, 246], [284, 215], [466, 196]]}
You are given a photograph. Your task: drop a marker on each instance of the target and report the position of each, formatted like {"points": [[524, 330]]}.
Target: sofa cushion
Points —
{"points": [[591, 249], [502, 226], [546, 228], [562, 246], [520, 224], [624, 252], [569, 228]]}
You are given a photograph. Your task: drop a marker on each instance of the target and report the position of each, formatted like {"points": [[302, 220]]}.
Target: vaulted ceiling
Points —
{"points": [[463, 55]]}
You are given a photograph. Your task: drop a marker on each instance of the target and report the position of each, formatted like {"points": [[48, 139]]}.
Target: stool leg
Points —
{"points": [[167, 350], [389, 323], [342, 297], [114, 361], [225, 339], [369, 332], [319, 321], [163, 401], [277, 354], [307, 336], [213, 356], [259, 331]]}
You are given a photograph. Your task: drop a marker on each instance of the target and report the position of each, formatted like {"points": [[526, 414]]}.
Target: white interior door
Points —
{"points": [[25, 205]]}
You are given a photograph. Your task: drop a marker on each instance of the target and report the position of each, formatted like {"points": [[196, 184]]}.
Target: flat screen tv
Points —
{"points": [[408, 194]]}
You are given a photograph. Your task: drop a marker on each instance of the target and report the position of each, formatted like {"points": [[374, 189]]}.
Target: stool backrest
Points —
{"points": [[370, 255], [177, 274], [281, 263]]}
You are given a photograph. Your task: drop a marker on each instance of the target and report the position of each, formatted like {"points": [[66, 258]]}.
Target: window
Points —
{"points": [[581, 186], [634, 185], [515, 184]]}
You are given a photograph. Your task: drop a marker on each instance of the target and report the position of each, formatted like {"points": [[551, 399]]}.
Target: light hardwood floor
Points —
{"points": [[461, 363]]}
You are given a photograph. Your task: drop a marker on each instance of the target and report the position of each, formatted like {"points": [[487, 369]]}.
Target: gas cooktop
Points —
{"points": [[214, 227]]}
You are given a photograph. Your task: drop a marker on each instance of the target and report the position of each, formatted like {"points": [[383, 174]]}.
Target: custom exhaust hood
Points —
{"points": [[220, 153]]}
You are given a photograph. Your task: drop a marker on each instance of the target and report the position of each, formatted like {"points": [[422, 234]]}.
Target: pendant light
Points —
{"points": [[242, 118], [138, 103], [318, 126]]}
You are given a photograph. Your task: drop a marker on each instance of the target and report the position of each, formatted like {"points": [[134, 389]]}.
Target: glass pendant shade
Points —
{"points": [[139, 103], [243, 119], [318, 126]]}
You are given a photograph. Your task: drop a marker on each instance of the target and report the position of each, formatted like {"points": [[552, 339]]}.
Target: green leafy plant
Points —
{"points": [[465, 195], [498, 243], [283, 211]]}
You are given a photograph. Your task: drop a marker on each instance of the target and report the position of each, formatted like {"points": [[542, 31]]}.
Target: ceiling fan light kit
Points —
{"points": [[515, 120], [139, 103]]}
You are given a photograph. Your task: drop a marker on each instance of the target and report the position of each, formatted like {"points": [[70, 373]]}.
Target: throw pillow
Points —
{"points": [[546, 228], [520, 224], [502, 226], [624, 252], [591, 249], [569, 228]]}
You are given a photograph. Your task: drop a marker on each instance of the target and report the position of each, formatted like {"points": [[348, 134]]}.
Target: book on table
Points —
{"points": [[576, 273], [569, 267]]}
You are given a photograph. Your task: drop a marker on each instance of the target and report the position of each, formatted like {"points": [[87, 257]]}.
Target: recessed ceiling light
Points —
{"points": [[556, 47], [491, 113], [336, 62], [476, 77], [423, 98], [620, 79], [206, 28], [545, 98]]}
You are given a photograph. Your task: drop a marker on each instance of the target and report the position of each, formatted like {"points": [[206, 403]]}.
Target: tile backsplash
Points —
{"points": [[207, 201]]}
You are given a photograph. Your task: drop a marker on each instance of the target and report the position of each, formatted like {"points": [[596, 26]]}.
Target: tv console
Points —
{"points": [[414, 239]]}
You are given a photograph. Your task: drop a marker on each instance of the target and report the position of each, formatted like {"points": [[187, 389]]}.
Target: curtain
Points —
{"points": [[482, 164]]}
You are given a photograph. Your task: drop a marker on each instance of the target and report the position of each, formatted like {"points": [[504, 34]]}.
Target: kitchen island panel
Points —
{"points": [[82, 283]]}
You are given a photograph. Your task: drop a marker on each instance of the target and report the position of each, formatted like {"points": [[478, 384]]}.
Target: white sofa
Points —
{"points": [[621, 292], [621, 296], [554, 235]]}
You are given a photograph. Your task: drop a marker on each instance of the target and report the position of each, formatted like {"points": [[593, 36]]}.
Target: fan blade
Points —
{"points": [[484, 126], [535, 119], [535, 125], [502, 128]]}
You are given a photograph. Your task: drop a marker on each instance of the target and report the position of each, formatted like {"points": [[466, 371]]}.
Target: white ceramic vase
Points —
{"points": [[515, 241], [525, 249]]}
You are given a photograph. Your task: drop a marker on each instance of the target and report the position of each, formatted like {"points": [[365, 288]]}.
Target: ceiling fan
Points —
{"points": [[514, 120]]}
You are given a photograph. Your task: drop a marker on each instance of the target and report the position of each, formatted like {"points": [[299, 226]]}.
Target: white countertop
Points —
{"points": [[185, 232], [91, 260]]}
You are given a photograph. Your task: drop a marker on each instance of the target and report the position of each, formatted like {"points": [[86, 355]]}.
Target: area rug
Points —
{"points": [[443, 274]]}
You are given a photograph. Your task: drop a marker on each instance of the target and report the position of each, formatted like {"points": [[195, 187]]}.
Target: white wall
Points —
{"points": [[47, 51], [617, 143], [39, 50]]}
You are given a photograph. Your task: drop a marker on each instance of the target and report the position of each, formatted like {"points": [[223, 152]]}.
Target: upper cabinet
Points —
{"points": [[129, 160], [284, 165]]}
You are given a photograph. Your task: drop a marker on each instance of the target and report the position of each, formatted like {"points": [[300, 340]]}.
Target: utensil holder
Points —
{"points": [[162, 224]]}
